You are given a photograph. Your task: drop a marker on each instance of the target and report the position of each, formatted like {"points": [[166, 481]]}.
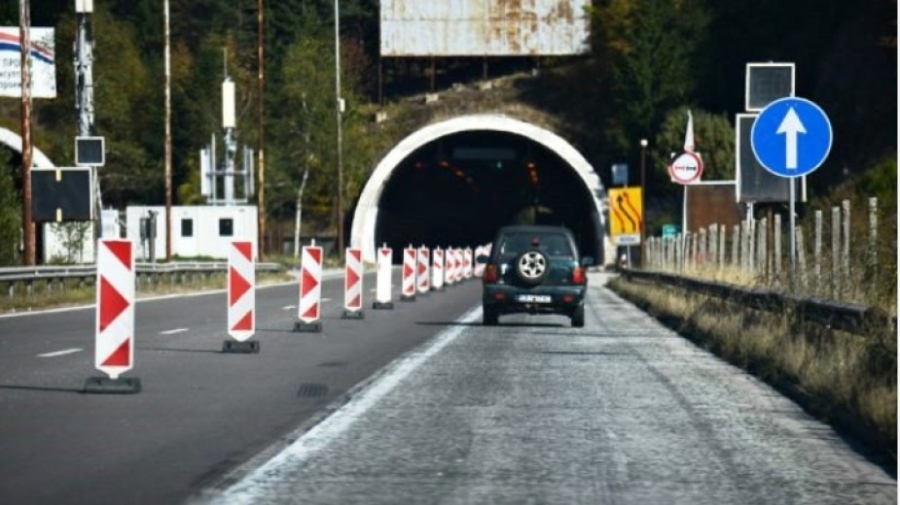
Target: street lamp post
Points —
{"points": [[643, 199], [339, 106]]}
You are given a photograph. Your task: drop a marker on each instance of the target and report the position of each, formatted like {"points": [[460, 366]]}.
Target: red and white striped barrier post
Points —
{"points": [[408, 292], [309, 310], [384, 281], [423, 279], [467, 263], [478, 269], [241, 299], [114, 344], [448, 267], [437, 269], [353, 284], [457, 265]]}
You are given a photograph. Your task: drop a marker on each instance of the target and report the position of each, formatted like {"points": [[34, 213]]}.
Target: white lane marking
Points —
{"points": [[289, 307], [172, 332], [252, 488], [60, 353]]}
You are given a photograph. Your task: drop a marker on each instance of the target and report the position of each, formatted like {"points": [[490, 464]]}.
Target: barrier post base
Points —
{"points": [[301, 327], [107, 386], [407, 298], [353, 314], [383, 305], [437, 289], [235, 347]]}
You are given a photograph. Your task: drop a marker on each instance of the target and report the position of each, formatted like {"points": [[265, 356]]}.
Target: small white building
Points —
{"points": [[197, 231]]}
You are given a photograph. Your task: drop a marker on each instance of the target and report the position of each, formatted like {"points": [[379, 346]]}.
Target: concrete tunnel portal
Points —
{"points": [[454, 183]]}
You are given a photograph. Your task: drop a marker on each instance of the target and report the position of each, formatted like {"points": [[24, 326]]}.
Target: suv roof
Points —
{"points": [[534, 228]]}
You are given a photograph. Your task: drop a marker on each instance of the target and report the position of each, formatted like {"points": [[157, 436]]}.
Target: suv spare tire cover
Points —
{"points": [[532, 267]]}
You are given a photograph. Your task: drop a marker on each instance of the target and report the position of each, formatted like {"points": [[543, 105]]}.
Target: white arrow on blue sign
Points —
{"points": [[791, 137]]}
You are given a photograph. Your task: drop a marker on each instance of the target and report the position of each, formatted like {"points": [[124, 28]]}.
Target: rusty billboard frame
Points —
{"points": [[489, 28]]}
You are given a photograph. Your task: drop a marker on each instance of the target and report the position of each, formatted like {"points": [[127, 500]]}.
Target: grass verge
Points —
{"points": [[846, 380], [73, 293]]}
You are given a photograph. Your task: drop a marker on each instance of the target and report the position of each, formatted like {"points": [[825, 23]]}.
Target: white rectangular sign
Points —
{"points": [[43, 62], [484, 27]]}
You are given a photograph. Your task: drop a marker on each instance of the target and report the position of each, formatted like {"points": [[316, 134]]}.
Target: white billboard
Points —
{"points": [[43, 62], [484, 27]]}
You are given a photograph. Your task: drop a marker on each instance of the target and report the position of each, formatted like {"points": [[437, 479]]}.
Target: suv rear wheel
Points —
{"points": [[578, 317], [489, 317]]}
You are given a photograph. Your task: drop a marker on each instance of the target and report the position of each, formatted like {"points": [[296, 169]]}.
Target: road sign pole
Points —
{"points": [[793, 203]]}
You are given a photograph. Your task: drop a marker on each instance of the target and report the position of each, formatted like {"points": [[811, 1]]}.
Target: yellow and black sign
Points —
{"points": [[625, 215]]}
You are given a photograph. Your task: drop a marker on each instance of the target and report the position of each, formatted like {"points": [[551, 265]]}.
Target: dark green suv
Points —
{"points": [[534, 269]]}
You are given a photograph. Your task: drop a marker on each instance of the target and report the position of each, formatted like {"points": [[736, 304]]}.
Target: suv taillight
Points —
{"points": [[578, 275], [490, 274]]}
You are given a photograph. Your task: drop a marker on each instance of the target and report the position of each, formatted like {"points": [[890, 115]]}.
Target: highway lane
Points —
{"points": [[622, 411], [201, 413]]}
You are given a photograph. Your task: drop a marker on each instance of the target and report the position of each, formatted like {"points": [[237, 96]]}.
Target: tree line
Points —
{"points": [[650, 61]]}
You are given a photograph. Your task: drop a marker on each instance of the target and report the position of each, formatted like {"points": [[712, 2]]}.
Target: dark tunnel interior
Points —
{"points": [[460, 189]]}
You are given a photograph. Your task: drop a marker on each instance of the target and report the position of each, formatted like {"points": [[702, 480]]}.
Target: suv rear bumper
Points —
{"points": [[505, 299]]}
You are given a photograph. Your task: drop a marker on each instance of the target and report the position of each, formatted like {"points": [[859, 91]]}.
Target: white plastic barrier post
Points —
{"points": [[353, 284], [241, 299], [408, 293], [114, 344], [383, 288], [467, 263], [437, 269], [423, 279], [309, 310]]}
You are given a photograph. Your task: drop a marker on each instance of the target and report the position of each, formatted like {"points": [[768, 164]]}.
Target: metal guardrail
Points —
{"points": [[850, 317], [28, 276]]}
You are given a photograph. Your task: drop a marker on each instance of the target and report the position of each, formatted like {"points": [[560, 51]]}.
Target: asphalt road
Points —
{"points": [[622, 411], [201, 413]]}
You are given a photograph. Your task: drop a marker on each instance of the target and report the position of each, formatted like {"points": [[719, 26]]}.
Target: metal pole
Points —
{"points": [[338, 107], [168, 139], [792, 228], [643, 197], [261, 173], [27, 153]]}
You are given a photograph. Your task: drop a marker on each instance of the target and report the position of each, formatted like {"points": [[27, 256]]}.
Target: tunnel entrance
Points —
{"points": [[457, 182]]}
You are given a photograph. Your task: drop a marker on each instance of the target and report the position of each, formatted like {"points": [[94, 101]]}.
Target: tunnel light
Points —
{"points": [[499, 165]]}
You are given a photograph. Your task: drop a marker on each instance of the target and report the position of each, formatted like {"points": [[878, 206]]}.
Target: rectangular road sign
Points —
{"points": [[625, 215], [755, 183]]}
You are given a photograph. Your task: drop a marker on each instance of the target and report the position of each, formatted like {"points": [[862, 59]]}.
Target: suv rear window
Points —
{"points": [[552, 244]]}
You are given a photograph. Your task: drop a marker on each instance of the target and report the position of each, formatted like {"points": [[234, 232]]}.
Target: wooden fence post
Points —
{"points": [[735, 245], [845, 245], [776, 258], [817, 253], [801, 260], [835, 252]]}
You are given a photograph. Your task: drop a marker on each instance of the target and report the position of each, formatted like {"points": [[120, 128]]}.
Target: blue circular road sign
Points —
{"points": [[791, 137]]}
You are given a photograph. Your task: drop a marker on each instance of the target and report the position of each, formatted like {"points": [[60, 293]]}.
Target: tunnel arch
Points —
{"points": [[14, 141], [366, 214]]}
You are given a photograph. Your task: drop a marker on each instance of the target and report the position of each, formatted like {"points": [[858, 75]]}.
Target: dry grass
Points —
{"points": [[848, 380]]}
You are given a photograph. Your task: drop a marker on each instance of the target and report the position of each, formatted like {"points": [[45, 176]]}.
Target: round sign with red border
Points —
{"points": [[686, 168]]}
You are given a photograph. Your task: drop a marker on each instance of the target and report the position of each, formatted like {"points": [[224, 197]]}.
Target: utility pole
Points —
{"points": [[28, 256], [643, 202], [168, 137], [84, 94], [339, 107], [261, 174]]}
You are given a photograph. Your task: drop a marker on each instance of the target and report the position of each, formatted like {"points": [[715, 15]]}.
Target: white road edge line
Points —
{"points": [[60, 353], [332, 427], [173, 332]]}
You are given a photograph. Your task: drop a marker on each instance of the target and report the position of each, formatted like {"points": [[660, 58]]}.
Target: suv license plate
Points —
{"points": [[534, 298]]}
